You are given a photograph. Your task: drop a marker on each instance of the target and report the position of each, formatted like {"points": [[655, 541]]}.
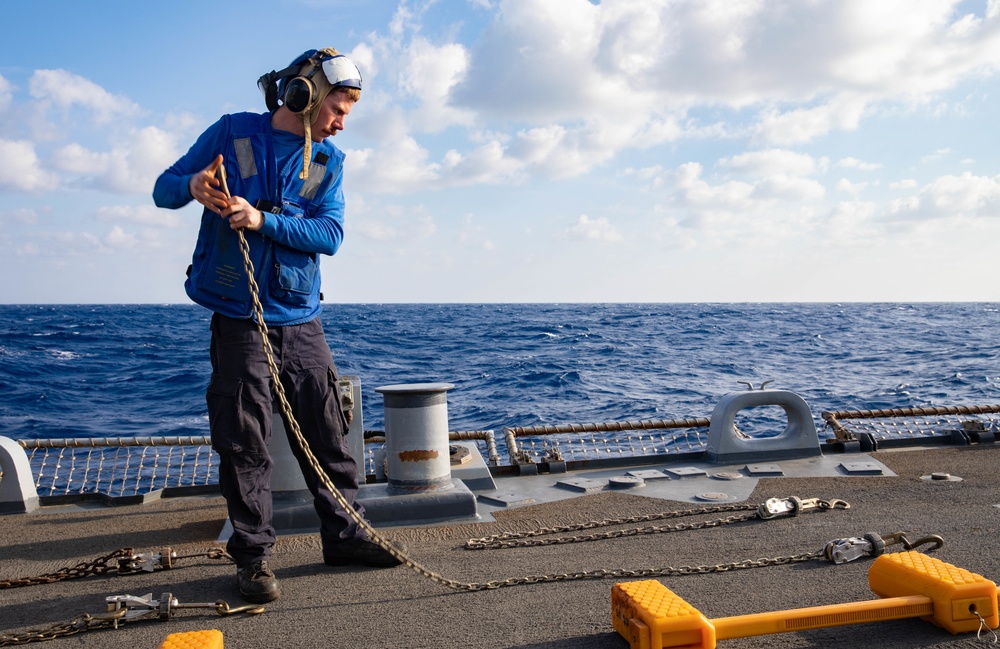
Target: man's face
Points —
{"points": [[332, 113]]}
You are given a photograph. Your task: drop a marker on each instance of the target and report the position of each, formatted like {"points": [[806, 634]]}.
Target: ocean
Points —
{"points": [[138, 370]]}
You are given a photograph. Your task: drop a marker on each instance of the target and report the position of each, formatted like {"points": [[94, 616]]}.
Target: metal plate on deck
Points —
{"points": [[505, 499], [581, 484], [687, 472], [648, 474], [759, 470], [862, 468], [625, 482]]}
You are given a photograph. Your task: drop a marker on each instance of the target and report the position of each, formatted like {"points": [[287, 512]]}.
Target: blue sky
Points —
{"points": [[530, 150]]}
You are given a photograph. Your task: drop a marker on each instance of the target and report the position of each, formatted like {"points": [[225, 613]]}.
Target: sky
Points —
{"points": [[529, 150]]}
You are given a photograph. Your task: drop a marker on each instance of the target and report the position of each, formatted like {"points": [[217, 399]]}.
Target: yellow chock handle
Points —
{"points": [[651, 616]]}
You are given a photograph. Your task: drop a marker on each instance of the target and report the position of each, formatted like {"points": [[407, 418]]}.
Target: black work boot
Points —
{"points": [[361, 552], [257, 583]]}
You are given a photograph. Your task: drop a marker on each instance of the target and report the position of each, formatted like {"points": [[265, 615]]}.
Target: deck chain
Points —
{"points": [[79, 624], [773, 508], [524, 538], [123, 562], [99, 566], [293, 427], [645, 573]]}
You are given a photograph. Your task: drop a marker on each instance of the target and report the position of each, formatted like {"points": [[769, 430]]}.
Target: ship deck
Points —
{"points": [[359, 607]]}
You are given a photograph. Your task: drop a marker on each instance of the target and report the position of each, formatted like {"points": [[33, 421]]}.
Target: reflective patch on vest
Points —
{"points": [[309, 187], [244, 157]]}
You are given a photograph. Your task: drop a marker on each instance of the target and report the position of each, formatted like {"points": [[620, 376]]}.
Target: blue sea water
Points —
{"points": [[107, 370]]}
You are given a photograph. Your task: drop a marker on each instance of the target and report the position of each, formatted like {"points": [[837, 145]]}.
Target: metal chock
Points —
{"points": [[124, 608], [872, 545], [793, 506]]}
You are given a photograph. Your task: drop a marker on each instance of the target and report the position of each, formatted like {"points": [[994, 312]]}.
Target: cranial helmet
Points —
{"points": [[304, 84]]}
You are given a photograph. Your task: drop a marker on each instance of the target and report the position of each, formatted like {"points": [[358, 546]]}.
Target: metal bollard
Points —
{"points": [[416, 437]]}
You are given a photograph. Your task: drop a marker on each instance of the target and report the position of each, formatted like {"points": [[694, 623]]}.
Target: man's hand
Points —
{"points": [[204, 187], [242, 214]]}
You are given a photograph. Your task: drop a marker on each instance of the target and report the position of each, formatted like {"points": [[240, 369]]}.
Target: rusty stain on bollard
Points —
{"points": [[417, 456]]}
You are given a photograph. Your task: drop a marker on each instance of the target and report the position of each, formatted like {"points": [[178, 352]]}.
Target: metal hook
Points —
{"points": [[932, 538], [223, 608], [900, 539], [982, 625]]}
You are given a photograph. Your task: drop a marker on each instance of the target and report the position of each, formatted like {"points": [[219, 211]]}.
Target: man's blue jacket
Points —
{"points": [[302, 219]]}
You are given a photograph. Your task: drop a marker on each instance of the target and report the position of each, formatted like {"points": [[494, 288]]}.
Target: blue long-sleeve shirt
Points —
{"points": [[302, 219]]}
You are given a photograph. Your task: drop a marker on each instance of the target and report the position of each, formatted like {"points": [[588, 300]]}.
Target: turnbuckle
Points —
{"points": [[163, 560], [793, 506], [873, 545], [124, 608]]}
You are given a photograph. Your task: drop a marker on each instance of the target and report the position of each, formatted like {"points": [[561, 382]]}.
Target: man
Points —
{"points": [[285, 178]]}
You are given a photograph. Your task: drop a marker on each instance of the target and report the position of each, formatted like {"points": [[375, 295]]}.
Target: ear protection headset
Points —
{"points": [[296, 85]]}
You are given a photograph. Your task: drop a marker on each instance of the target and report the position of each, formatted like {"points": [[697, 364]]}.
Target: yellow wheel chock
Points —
{"points": [[209, 639], [650, 616]]}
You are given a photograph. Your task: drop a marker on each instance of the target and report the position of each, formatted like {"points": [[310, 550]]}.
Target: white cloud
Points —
{"points": [[21, 170], [147, 215], [117, 238], [474, 235], [428, 73], [807, 68], [393, 223], [801, 125], [767, 213], [936, 155], [950, 196], [588, 229], [851, 223], [782, 187], [846, 186], [63, 244], [854, 163], [770, 162], [6, 93], [22, 215], [398, 166], [568, 85], [965, 195], [131, 166], [66, 90]]}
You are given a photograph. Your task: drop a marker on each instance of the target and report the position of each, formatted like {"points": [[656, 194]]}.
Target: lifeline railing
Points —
{"points": [[553, 443], [955, 424], [127, 467], [120, 467]]}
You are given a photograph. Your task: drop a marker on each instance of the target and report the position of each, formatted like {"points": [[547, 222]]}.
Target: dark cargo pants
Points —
{"points": [[240, 410]]}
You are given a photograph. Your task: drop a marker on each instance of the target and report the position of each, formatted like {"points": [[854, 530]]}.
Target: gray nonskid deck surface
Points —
{"points": [[354, 607]]}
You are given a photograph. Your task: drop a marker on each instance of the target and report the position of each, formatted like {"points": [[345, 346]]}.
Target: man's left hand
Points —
{"points": [[242, 214]]}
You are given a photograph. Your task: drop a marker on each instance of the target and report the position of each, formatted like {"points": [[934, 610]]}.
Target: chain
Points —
{"points": [[123, 562], [645, 573], [79, 624], [524, 538], [771, 509], [293, 426], [419, 568], [98, 566], [122, 609]]}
